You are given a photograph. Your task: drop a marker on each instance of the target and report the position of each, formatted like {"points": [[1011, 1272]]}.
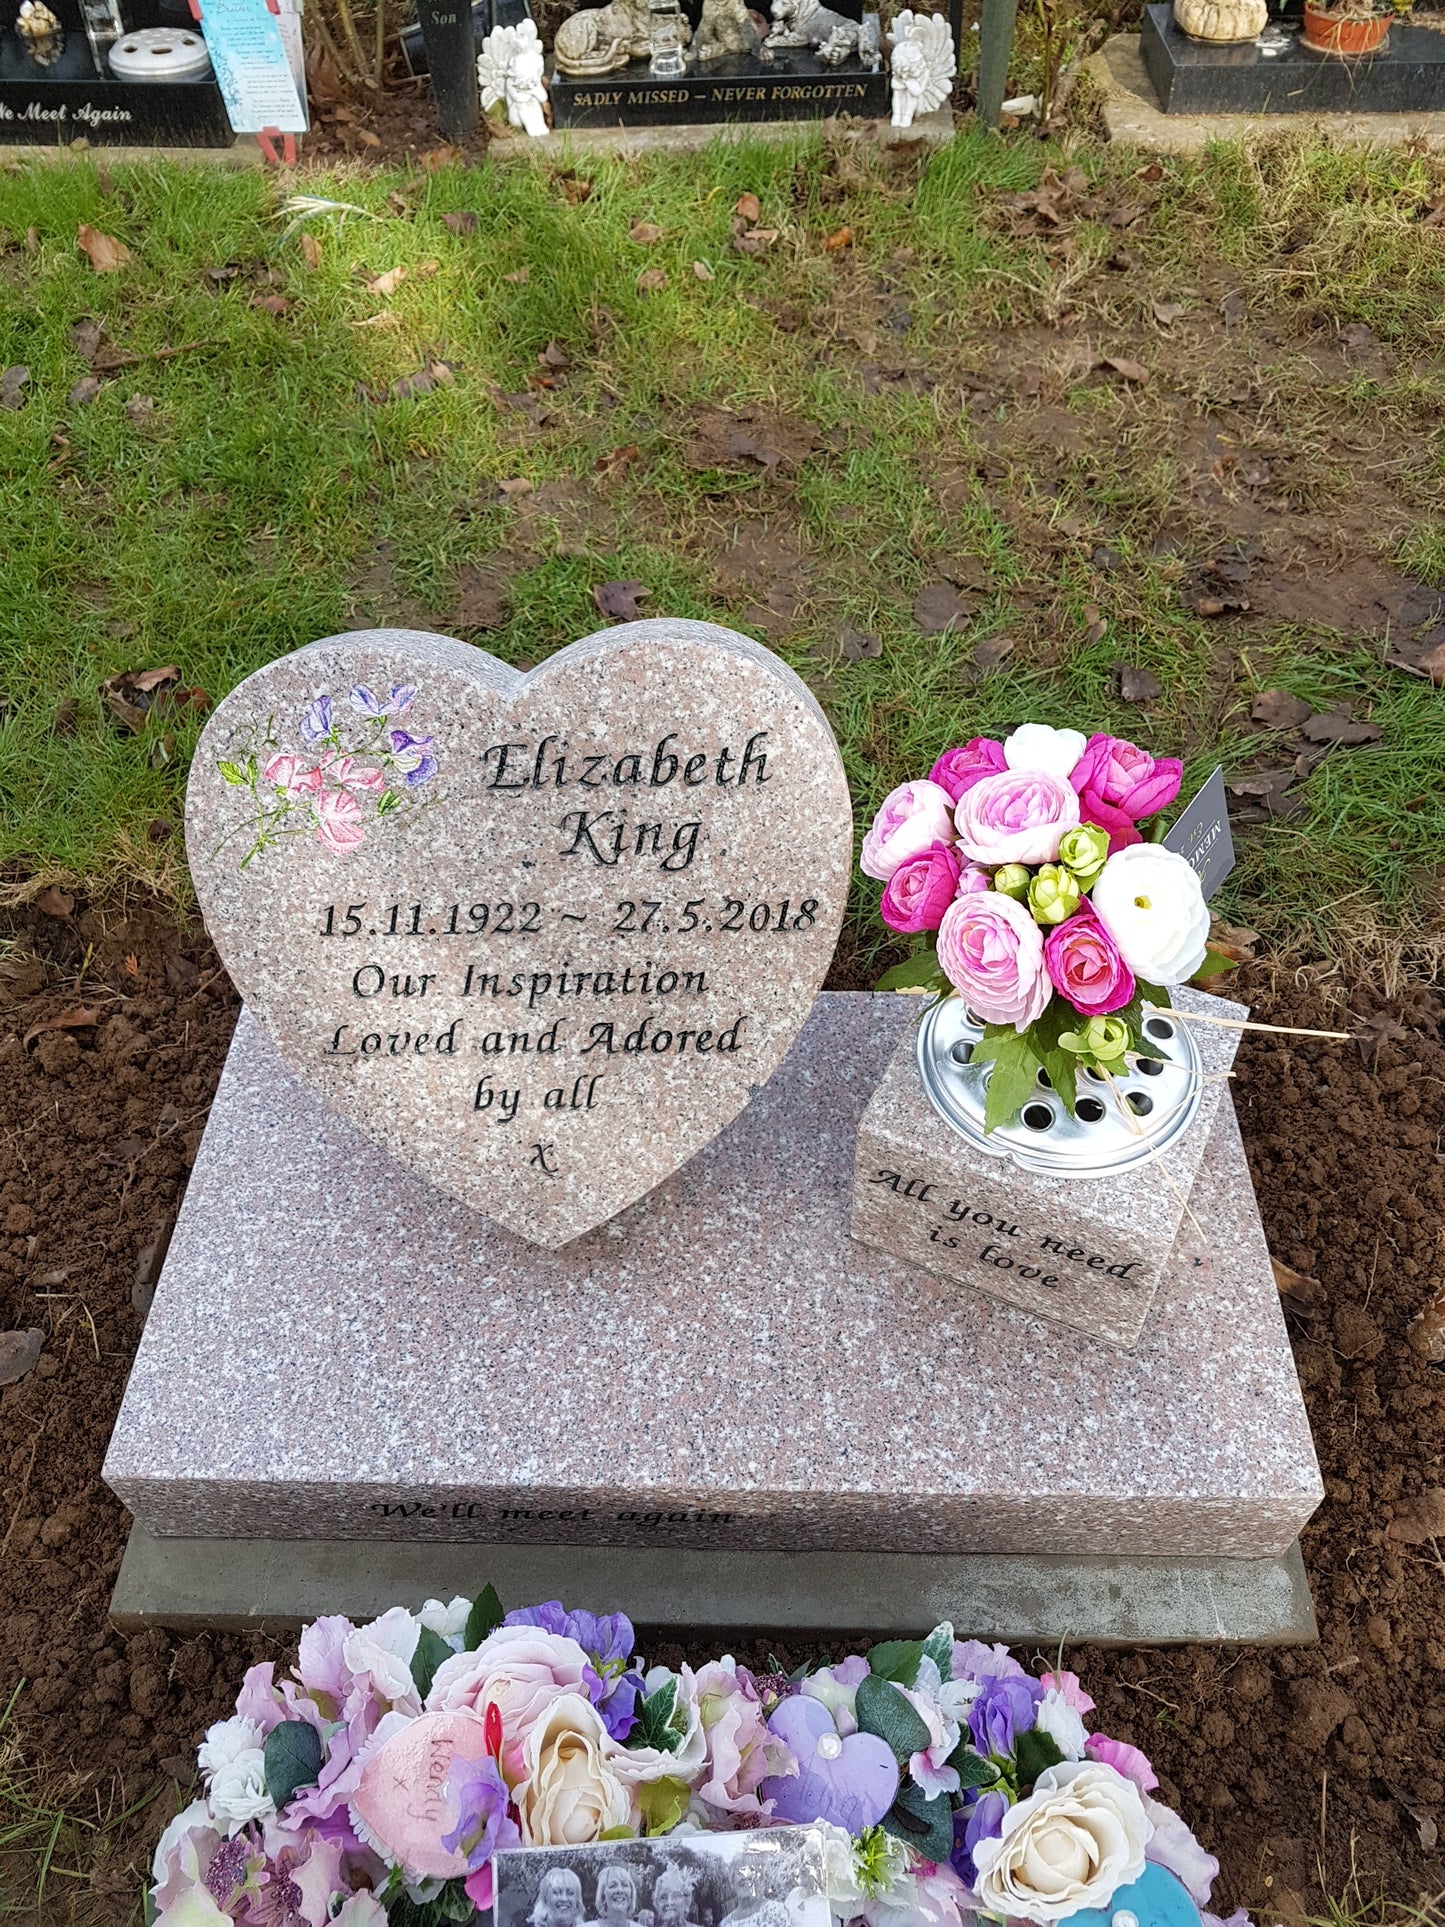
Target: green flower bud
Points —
{"points": [[1012, 880], [1053, 894], [1085, 851], [1103, 1040]]}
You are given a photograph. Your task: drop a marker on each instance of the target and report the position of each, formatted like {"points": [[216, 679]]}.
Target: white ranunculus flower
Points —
{"points": [[1037, 746], [238, 1792], [446, 1621], [225, 1740], [1149, 900], [636, 1765], [1062, 1724], [383, 1651], [1073, 1843], [569, 1794]]}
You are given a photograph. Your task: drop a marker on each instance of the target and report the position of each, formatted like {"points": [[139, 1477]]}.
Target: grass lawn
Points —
{"points": [[917, 364]]}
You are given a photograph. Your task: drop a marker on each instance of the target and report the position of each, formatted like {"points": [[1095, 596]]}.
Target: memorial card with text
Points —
{"points": [[540, 936]]}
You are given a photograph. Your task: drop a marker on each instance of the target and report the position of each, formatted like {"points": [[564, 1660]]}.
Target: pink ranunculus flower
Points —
{"points": [[913, 816], [1124, 1759], [1084, 964], [958, 770], [920, 890], [339, 822], [1017, 816], [741, 1750], [972, 877], [520, 1670], [1120, 785], [1069, 1689], [992, 952]]}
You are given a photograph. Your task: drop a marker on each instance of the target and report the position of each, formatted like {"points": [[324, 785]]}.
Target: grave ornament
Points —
{"points": [[511, 69], [923, 62]]}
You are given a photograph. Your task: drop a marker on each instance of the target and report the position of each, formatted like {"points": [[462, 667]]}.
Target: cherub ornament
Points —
{"points": [[923, 64], [511, 69]]}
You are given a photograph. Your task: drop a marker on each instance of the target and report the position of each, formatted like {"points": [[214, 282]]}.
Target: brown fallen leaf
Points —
{"points": [[140, 408], [387, 283], [841, 238], [367, 138], [992, 650], [1426, 1333], [437, 157], [940, 607], [519, 277], [859, 645], [84, 392], [81, 1017], [554, 356], [1278, 709], [616, 459], [1234, 940], [1095, 627], [133, 693], [276, 304], [753, 241], [55, 902], [310, 249], [1297, 1292], [463, 220], [67, 714], [12, 386], [703, 271], [645, 233], [619, 600], [516, 485], [1166, 313], [575, 190], [227, 271], [86, 335], [104, 253], [1419, 1519], [1131, 370], [421, 381], [750, 207], [1338, 728], [1430, 663], [1137, 685], [19, 1353], [651, 279]]}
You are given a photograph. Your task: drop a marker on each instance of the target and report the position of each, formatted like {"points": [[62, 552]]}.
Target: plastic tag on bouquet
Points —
{"points": [[1201, 835]]}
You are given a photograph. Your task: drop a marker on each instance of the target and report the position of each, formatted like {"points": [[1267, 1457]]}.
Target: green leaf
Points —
{"points": [[896, 1659], [1153, 993], [1015, 1078], [233, 774], [1215, 964], [293, 1760], [389, 801], [972, 1769], [618, 1833], [939, 1648], [431, 1650], [1033, 1752], [883, 1711], [653, 1726], [663, 1804], [485, 1617], [926, 1825], [918, 972], [1062, 1066]]}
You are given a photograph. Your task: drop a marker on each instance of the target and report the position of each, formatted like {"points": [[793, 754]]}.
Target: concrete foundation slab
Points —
{"points": [[928, 130], [193, 1583], [1132, 114]]}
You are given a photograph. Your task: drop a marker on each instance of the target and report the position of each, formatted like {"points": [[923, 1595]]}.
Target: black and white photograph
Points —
{"points": [[768, 1878]]}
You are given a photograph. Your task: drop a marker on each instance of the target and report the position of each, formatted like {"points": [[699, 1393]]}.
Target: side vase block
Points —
{"points": [[1086, 1251]]}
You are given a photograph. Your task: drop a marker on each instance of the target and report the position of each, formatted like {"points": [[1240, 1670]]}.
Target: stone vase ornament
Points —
{"points": [[1221, 22], [541, 936], [511, 71]]}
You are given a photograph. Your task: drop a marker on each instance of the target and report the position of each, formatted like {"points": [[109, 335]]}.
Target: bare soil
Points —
{"points": [[1298, 1767]]}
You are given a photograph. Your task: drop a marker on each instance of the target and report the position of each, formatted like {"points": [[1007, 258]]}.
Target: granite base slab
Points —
{"points": [[1278, 73], [337, 1351], [191, 1584]]}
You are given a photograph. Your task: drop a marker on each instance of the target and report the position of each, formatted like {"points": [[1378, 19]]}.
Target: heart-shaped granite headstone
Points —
{"points": [[852, 1781], [539, 936]]}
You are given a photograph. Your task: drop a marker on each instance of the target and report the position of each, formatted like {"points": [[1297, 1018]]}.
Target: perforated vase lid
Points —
{"points": [[160, 54], [1162, 1097]]}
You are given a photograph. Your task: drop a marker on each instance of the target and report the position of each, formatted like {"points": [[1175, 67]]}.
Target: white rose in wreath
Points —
{"points": [[569, 1793], [238, 1792], [1073, 1843], [1149, 900]]}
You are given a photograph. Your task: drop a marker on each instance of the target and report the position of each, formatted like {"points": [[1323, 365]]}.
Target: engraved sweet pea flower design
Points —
{"points": [[361, 766]]}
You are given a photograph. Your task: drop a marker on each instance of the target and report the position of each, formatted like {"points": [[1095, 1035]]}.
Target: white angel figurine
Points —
{"points": [[511, 68], [923, 64]]}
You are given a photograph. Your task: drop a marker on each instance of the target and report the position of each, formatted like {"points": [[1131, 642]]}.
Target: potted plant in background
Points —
{"points": [[1351, 29]]}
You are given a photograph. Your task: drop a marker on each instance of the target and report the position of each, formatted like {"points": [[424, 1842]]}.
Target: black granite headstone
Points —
{"points": [[71, 99], [451, 52], [1279, 74], [796, 86]]}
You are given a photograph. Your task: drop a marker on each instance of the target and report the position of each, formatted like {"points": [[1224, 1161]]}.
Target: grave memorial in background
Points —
{"points": [[522, 1217]]}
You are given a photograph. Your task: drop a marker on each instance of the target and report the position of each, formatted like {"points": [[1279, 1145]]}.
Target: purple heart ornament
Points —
{"points": [[852, 1782]]}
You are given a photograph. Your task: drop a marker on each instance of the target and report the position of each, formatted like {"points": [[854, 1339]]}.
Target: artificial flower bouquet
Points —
{"points": [[376, 1784], [1026, 868]]}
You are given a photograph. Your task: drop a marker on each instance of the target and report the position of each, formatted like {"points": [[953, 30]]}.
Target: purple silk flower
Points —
{"points": [[607, 1639]]}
